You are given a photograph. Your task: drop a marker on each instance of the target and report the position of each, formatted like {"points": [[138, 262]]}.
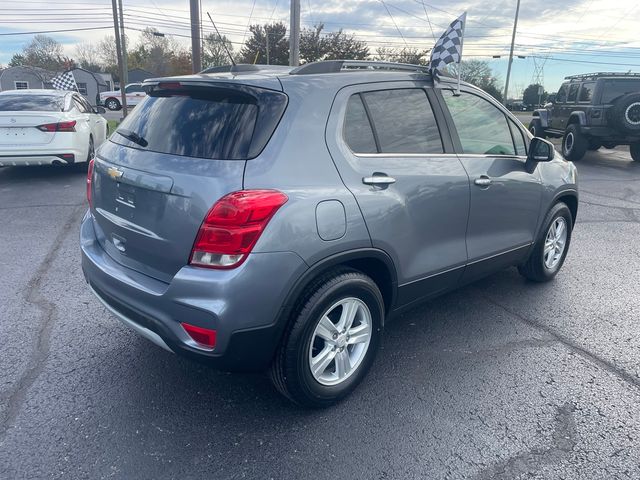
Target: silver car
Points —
{"points": [[265, 218]]}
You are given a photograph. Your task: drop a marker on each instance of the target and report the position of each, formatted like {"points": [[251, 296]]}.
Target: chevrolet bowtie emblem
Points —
{"points": [[115, 173]]}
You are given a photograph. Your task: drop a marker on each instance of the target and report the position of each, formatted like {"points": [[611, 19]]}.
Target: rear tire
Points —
{"points": [[306, 342], [635, 152], [535, 127], [545, 260], [112, 104], [574, 143]]}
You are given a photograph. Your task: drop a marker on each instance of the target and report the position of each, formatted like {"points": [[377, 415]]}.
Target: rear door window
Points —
{"points": [[214, 123], [586, 92], [403, 121], [573, 92]]}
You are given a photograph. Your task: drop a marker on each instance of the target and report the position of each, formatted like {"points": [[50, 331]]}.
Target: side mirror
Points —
{"points": [[540, 150], [99, 110]]}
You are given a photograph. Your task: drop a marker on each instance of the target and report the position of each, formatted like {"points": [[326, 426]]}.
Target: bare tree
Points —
{"points": [[214, 53], [402, 55], [88, 56]]}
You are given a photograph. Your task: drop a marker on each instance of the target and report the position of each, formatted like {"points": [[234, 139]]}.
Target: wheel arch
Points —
{"points": [[570, 199], [579, 118], [542, 115], [371, 261]]}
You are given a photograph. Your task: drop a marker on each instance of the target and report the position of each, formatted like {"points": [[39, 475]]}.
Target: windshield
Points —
{"points": [[203, 123], [31, 103], [614, 89]]}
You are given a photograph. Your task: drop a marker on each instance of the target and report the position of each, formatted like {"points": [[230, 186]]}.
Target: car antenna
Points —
{"points": [[222, 41]]}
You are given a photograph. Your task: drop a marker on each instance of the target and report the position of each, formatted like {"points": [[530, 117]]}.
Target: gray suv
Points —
{"points": [[275, 218]]}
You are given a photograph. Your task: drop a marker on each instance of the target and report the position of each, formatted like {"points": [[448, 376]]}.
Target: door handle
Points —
{"points": [[483, 181], [379, 179]]}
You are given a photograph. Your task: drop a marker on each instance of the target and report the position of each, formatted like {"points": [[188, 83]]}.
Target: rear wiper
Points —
{"points": [[133, 136]]}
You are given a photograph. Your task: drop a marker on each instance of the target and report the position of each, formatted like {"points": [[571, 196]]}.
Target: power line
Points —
{"points": [[394, 22]]}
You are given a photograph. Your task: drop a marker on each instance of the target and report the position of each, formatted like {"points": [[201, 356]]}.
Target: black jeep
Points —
{"points": [[591, 111]]}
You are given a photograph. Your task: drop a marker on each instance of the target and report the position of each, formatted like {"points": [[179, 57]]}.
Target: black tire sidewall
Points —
{"points": [[535, 128], [358, 286], [579, 146], [559, 209]]}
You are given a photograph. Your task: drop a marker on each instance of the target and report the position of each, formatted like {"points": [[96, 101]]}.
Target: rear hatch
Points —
{"points": [[180, 150], [20, 115]]}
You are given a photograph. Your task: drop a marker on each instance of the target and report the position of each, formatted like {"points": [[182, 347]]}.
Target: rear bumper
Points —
{"points": [[245, 305], [49, 158]]}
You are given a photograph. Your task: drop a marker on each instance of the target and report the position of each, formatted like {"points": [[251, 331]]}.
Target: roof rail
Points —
{"points": [[244, 68], [585, 76], [335, 66]]}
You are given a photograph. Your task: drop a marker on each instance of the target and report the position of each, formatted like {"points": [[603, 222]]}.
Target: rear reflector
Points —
{"points": [[69, 126], [202, 336], [232, 227], [89, 181]]}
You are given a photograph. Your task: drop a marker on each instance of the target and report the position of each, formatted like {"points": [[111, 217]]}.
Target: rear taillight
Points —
{"points": [[69, 126], [232, 227], [89, 181]]}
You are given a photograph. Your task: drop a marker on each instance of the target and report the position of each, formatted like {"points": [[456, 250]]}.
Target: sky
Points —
{"points": [[556, 38]]}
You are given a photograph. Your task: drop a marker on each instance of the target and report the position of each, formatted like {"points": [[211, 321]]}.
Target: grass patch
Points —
{"points": [[112, 125]]}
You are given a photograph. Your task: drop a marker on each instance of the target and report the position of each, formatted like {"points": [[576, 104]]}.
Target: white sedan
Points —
{"points": [[48, 127], [112, 99]]}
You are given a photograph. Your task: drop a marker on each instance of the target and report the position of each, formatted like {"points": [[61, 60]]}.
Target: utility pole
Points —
{"points": [[294, 34], [196, 51], [513, 42], [125, 68], [123, 96]]}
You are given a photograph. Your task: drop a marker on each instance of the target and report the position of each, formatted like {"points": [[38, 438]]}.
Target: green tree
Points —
{"points": [[16, 60], [343, 46], [478, 73], [214, 53], [531, 95], [254, 49], [402, 55], [313, 45]]}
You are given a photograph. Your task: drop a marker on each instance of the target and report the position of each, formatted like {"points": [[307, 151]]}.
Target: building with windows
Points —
{"points": [[23, 77], [90, 84]]}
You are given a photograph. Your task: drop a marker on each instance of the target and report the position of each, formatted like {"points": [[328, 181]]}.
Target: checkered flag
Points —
{"points": [[448, 48], [66, 81]]}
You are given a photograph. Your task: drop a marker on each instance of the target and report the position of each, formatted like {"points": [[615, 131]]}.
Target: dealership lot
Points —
{"points": [[502, 379]]}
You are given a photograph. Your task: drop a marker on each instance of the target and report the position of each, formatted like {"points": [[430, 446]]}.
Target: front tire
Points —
{"points": [[634, 149], [535, 127], [333, 340], [574, 143], [551, 247]]}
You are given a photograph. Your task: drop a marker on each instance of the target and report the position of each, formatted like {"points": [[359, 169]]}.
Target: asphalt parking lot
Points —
{"points": [[503, 379]]}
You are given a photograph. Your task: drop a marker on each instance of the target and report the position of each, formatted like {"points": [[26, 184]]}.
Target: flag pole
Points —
{"points": [[464, 26]]}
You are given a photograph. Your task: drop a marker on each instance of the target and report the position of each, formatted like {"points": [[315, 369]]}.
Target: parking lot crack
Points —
{"points": [[33, 296], [573, 346], [564, 439]]}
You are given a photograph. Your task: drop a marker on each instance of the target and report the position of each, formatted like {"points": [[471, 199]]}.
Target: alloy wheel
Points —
{"points": [[340, 341], [555, 243]]}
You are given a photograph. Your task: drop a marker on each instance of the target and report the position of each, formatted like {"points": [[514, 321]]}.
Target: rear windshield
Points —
{"points": [[614, 89], [30, 103], [213, 123]]}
